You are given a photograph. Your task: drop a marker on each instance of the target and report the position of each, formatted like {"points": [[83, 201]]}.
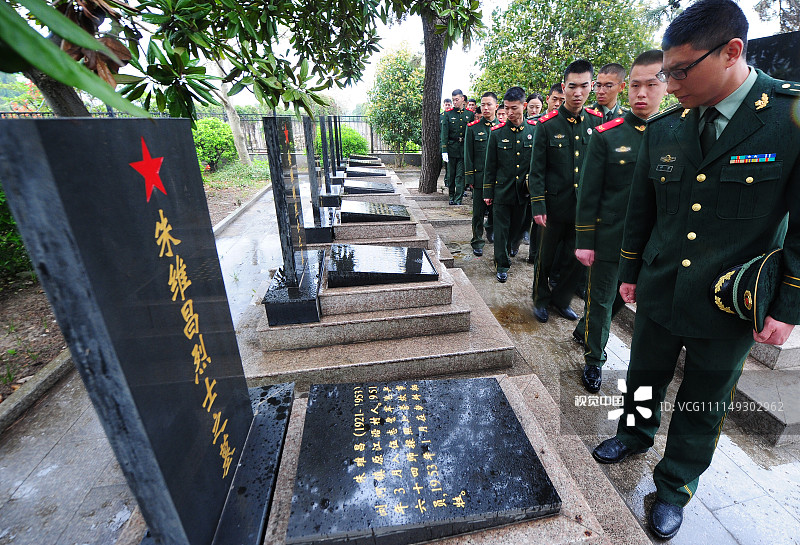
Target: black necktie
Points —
{"points": [[709, 134], [609, 115]]}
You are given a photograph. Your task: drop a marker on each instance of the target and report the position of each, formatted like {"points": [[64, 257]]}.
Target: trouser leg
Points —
{"points": [[571, 269], [450, 177], [601, 293], [549, 239], [458, 191], [478, 211], [502, 224]]}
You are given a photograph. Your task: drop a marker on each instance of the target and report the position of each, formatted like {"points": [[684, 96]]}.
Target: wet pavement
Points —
{"points": [[61, 484]]}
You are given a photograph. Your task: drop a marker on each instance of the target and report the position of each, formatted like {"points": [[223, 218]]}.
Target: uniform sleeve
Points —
{"points": [[786, 304], [639, 219], [443, 133], [590, 190], [490, 167], [469, 167], [537, 170]]}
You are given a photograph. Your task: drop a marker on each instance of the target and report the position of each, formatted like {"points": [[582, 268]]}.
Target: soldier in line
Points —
{"points": [[501, 114], [475, 141], [454, 124], [610, 82], [555, 97], [471, 104], [508, 156], [602, 204], [716, 185], [558, 153], [535, 105]]}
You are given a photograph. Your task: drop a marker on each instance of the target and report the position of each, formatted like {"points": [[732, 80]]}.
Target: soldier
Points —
{"points": [[507, 160], [555, 97], [471, 104], [454, 125], [610, 82], [558, 153], [602, 203], [713, 184], [474, 160], [535, 103]]}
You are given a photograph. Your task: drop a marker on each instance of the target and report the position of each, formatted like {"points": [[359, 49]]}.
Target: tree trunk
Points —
{"points": [[62, 99], [435, 55], [233, 117]]}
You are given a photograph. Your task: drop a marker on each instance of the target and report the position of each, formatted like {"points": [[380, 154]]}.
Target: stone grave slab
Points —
{"points": [[299, 304], [332, 198], [361, 212], [365, 265], [325, 218], [365, 172], [360, 157], [409, 462], [361, 187], [365, 163]]}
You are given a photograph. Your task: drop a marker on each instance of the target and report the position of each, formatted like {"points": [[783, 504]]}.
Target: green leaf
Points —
{"points": [[125, 78]]}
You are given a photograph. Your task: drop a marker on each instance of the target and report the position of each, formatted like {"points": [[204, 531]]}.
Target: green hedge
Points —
{"points": [[13, 255], [213, 140], [352, 142]]}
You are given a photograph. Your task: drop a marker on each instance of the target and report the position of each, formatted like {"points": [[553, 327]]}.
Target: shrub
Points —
{"points": [[13, 255], [213, 140], [352, 142]]}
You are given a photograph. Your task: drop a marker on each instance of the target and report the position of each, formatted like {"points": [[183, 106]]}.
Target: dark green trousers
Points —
{"points": [[603, 301], [711, 370], [550, 237], [455, 178], [478, 212], [507, 221]]}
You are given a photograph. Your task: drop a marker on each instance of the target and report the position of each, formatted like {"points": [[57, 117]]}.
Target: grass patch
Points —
{"points": [[238, 175]]}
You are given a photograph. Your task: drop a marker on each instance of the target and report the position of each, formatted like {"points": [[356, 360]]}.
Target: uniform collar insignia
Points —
{"points": [[668, 159], [685, 112], [763, 102], [640, 128]]}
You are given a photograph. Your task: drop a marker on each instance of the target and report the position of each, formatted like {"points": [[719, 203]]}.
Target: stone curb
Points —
{"points": [[221, 226], [30, 392]]}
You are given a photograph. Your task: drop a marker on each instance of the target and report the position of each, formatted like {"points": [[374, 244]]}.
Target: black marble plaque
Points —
{"points": [[360, 211], [365, 265], [778, 56], [365, 163], [244, 518], [286, 304], [338, 178], [361, 157], [333, 199], [362, 187], [123, 245], [365, 172], [325, 219], [412, 461]]}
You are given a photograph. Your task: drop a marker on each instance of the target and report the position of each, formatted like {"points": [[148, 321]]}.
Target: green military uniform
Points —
{"points": [[454, 125], [602, 203], [559, 145], [475, 140], [608, 115], [508, 155], [689, 218]]}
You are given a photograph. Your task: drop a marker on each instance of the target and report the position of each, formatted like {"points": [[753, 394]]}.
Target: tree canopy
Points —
{"points": [[531, 42]]}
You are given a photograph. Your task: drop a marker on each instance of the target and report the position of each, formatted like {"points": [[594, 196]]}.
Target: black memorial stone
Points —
{"points": [[287, 304], [327, 217], [123, 245], [363, 187], [408, 462], [376, 163], [358, 211], [333, 198], [366, 265], [338, 178], [365, 172], [778, 56], [361, 157]]}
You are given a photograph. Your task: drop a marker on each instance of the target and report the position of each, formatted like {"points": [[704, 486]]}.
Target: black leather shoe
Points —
{"points": [[567, 313], [477, 251], [452, 202], [578, 338], [490, 236], [592, 378], [665, 519], [541, 314], [612, 451], [502, 277]]}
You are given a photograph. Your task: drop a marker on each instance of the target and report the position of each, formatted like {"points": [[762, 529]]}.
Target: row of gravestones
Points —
{"points": [[124, 248]]}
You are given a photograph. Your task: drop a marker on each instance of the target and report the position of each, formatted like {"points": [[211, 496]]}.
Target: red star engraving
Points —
{"points": [[149, 167]]}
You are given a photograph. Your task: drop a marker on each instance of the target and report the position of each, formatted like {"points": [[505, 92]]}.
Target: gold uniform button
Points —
{"points": [[517, 141], [559, 145], [517, 177], [663, 179], [696, 207], [577, 137], [576, 169], [691, 235], [749, 180], [517, 166], [701, 178], [686, 263], [576, 185], [517, 153], [577, 153], [622, 161]]}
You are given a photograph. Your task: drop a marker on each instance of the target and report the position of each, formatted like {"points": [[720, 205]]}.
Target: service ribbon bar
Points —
{"points": [[759, 158]]}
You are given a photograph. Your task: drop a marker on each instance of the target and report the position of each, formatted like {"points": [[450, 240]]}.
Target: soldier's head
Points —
{"points": [[501, 114], [535, 102], [646, 91], [555, 97], [514, 101], [471, 104], [610, 81], [488, 105], [577, 84], [458, 99], [704, 52], [448, 103]]}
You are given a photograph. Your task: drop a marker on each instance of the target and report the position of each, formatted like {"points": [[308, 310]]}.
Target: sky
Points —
{"points": [[461, 65]]}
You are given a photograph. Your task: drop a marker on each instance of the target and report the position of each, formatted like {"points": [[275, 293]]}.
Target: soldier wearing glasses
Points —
{"points": [[609, 84], [716, 184]]}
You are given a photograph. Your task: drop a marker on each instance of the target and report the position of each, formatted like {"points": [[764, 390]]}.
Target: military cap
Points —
{"points": [[748, 290]]}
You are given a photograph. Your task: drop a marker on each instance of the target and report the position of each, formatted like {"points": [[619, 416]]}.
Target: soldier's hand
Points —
{"points": [[774, 332], [628, 292], [488, 202], [541, 220], [586, 257], [445, 157]]}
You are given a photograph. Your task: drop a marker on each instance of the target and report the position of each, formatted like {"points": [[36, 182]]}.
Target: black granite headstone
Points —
{"points": [[333, 198], [365, 172], [123, 245], [289, 304], [361, 157], [366, 265], [364, 163], [358, 211], [778, 56], [363, 187], [408, 462], [326, 162]]}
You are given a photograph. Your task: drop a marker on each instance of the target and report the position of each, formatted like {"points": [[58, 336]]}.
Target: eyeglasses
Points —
{"points": [[607, 86], [681, 73]]}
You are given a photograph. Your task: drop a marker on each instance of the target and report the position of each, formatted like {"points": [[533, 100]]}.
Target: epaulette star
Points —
{"points": [[788, 88], [503, 124], [548, 117], [609, 125], [593, 112], [531, 121], [473, 123]]}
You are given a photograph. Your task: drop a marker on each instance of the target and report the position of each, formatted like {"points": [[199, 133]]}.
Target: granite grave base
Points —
{"points": [[362, 212], [286, 304], [365, 172], [413, 461], [350, 265], [360, 187]]}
